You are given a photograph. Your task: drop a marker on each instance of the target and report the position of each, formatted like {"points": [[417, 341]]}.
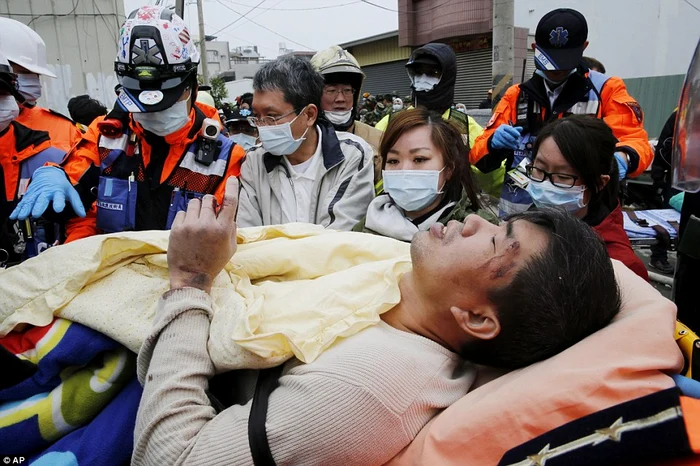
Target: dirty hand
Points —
{"points": [[202, 241]]}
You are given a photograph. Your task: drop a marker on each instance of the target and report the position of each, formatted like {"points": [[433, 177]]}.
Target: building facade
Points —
{"points": [[218, 58], [81, 46]]}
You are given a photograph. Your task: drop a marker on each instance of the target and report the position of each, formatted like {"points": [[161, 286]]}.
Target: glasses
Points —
{"points": [[417, 70], [333, 92], [256, 122], [560, 180]]}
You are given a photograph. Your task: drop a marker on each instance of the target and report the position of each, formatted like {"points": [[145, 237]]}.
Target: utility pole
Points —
{"points": [[203, 44], [503, 65]]}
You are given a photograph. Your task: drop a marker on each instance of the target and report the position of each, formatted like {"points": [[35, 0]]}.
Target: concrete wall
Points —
{"points": [[238, 87], [81, 46], [520, 54], [245, 70], [632, 38]]}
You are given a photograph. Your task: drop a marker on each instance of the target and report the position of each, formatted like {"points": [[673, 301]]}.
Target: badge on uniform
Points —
{"points": [[518, 174], [637, 110]]}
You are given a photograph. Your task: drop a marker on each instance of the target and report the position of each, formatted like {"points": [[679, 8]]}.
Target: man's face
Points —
{"points": [[458, 265], [272, 104], [558, 76], [242, 126], [337, 97]]}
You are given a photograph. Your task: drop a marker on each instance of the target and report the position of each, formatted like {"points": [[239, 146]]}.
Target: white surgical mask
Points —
{"points": [[412, 190], [8, 111], [338, 118], [424, 83], [166, 121], [29, 86], [279, 140], [244, 140], [545, 194], [397, 107]]}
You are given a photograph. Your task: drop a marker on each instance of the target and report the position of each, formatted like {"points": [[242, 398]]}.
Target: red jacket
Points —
{"points": [[613, 233]]}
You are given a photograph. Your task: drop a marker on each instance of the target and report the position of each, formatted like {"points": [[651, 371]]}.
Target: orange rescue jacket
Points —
{"points": [[83, 165], [63, 133], [620, 111]]}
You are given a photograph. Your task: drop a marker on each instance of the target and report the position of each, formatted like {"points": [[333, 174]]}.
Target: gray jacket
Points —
{"points": [[344, 183]]}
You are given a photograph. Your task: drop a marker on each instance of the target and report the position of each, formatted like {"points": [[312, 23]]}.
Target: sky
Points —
{"points": [[300, 24]]}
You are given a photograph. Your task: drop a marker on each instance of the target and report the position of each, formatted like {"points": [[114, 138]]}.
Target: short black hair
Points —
{"points": [[588, 145], [247, 98], [561, 296], [84, 109], [591, 62], [300, 83]]}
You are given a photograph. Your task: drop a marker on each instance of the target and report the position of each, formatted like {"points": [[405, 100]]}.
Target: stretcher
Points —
{"points": [[648, 227]]}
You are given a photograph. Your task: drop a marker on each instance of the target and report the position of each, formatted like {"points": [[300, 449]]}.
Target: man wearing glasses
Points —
{"points": [[341, 92], [304, 171]]}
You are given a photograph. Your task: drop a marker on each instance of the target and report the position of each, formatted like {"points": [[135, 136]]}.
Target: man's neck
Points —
{"points": [[307, 148], [413, 315]]}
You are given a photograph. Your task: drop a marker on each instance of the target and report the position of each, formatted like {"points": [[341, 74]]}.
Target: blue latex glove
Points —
{"points": [[48, 185], [689, 387], [506, 137], [621, 158]]}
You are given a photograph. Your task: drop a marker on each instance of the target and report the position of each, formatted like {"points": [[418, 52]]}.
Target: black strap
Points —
{"points": [[257, 433]]}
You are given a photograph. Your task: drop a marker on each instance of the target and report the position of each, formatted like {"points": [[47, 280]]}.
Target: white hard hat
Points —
{"points": [[156, 60], [24, 47], [205, 98]]}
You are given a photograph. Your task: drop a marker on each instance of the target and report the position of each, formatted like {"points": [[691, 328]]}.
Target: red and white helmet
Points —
{"points": [[156, 60]]}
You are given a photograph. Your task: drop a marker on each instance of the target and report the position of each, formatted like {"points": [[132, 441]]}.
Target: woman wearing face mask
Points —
{"points": [[574, 168], [427, 177]]}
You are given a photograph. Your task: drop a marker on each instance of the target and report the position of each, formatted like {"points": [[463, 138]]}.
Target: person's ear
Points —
{"points": [[604, 180], [533, 45], [312, 114], [585, 45], [481, 323]]}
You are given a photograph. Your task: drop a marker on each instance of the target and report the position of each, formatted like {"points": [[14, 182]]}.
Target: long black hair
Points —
{"points": [[588, 145], [447, 138]]}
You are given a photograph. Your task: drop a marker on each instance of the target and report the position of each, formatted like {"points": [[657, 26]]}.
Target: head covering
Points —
{"points": [[205, 98], [440, 98], [156, 60], [338, 66], [560, 39], [84, 109]]}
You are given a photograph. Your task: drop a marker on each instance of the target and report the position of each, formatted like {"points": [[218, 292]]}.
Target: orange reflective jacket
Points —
{"points": [[17, 145], [620, 111], [86, 163], [22, 151], [63, 133]]}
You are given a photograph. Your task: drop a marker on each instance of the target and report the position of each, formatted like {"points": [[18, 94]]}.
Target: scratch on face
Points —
{"points": [[504, 267]]}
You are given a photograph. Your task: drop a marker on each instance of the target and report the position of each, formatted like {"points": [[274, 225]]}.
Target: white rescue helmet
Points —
{"points": [[204, 97], [24, 47], [156, 60]]}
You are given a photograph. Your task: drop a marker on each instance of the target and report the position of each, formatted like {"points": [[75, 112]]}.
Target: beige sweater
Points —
{"points": [[361, 402]]}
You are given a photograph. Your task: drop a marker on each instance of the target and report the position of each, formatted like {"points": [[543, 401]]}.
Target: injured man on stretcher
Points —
{"points": [[373, 338]]}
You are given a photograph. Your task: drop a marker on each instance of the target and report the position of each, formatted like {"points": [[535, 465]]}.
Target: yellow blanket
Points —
{"points": [[290, 290]]}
